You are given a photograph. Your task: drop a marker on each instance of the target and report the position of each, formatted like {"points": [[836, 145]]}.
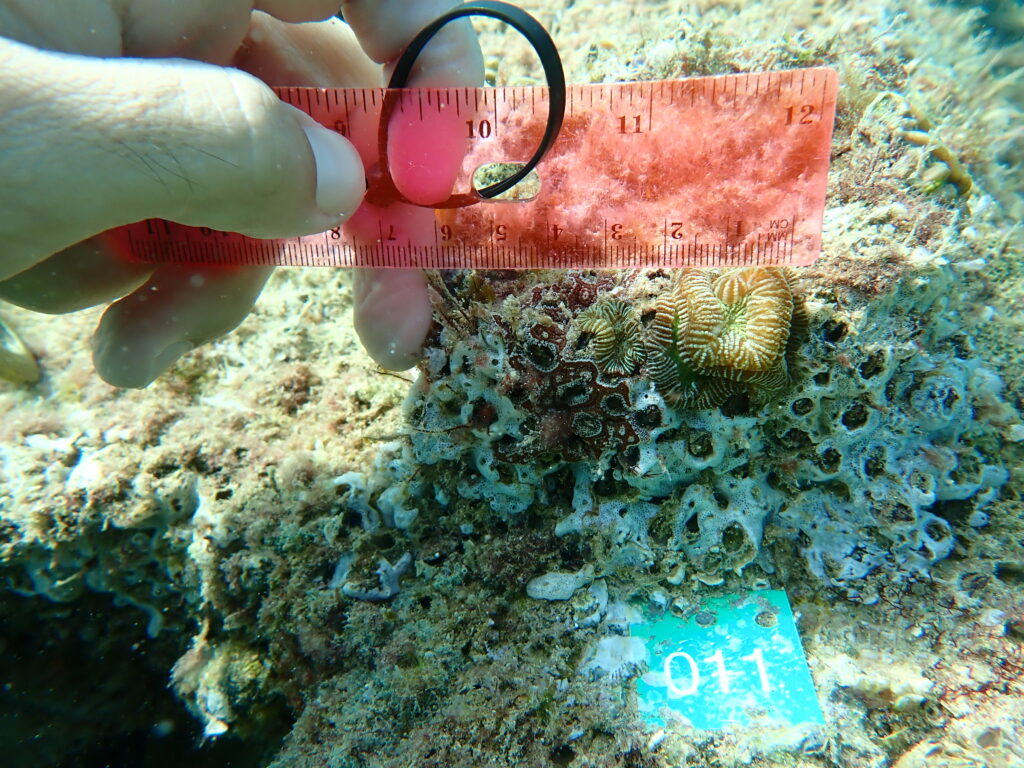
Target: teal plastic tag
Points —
{"points": [[736, 662]]}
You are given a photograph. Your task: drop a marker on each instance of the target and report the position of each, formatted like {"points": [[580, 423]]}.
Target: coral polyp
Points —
{"points": [[738, 321]]}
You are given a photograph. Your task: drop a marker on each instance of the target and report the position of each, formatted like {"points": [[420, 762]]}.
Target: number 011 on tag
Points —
{"points": [[737, 662]]}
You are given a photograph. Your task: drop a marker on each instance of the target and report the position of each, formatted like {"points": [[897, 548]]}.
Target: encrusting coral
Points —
{"points": [[718, 333]]}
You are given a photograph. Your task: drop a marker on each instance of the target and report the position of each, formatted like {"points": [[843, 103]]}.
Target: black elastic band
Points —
{"points": [[384, 190]]}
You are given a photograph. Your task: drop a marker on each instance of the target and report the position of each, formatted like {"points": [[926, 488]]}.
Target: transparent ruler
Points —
{"points": [[709, 171]]}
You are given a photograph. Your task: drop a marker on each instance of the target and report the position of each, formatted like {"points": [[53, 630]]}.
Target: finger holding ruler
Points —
{"points": [[728, 170]]}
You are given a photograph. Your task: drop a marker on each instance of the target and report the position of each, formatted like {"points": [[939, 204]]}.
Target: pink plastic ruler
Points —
{"points": [[708, 171]]}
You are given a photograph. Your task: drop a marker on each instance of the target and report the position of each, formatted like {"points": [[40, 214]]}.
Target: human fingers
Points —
{"points": [[84, 275], [167, 311], [392, 314], [200, 29], [392, 309], [424, 155], [298, 10], [324, 55], [176, 310], [192, 29], [144, 333], [180, 140], [386, 27]]}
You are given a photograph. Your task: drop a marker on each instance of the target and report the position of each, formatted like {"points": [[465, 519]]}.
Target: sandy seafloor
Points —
{"points": [[197, 525]]}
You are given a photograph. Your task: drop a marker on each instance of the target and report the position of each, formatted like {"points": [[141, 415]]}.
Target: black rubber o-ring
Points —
{"points": [[384, 190]]}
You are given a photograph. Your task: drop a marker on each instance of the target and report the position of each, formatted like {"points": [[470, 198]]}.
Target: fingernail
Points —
{"points": [[340, 182]]}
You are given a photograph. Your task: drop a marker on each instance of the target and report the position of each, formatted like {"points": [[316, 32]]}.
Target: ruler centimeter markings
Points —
{"points": [[713, 171]]}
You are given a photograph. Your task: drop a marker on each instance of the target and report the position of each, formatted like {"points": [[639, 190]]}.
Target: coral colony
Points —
{"points": [[715, 335], [708, 399]]}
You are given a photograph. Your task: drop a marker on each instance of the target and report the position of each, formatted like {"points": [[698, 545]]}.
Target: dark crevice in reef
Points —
{"points": [[84, 687]]}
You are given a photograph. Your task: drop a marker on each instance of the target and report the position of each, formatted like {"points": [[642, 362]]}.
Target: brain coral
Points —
{"points": [[718, 333]]}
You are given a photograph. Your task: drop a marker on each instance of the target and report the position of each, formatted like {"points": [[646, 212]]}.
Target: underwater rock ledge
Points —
{"points": [[241, 507]]}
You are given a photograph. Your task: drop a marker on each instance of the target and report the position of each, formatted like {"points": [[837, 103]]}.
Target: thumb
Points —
{"points": [[87, 144]]}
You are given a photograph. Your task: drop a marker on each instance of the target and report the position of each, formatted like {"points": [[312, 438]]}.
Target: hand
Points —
{"points": [[130, 111]]}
